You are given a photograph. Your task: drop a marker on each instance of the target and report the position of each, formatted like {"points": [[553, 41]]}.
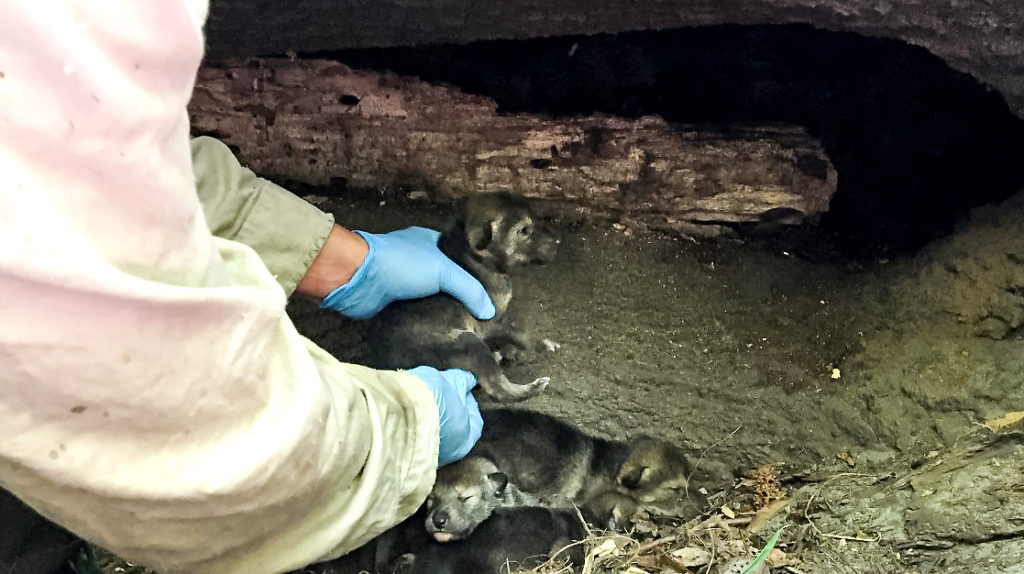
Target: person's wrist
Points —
{"points": [[338, 260]]}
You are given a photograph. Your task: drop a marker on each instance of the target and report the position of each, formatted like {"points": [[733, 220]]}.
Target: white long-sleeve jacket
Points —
{"points": [[154, 397]]}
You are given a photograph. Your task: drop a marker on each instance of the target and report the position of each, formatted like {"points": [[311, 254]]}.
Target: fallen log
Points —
{"points": [[320, 122]]}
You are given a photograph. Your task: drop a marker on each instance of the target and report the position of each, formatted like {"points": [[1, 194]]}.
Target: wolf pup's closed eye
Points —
{"points": [[491, 236]]}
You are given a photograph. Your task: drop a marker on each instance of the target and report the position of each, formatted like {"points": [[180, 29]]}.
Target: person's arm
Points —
{"points": [[155, 398], [353, 272], [304, 249], [335, 265]]}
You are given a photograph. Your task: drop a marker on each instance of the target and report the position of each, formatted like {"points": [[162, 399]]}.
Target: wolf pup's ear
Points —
{"points": [[480, 233], [500, 481], [634, 476]]}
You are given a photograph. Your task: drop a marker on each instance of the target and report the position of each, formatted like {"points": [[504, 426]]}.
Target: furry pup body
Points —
{"points": [[560, 466], [492, 235]]}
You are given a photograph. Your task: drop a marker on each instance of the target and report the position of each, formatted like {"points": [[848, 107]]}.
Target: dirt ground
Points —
{"points": [[882, 391], [867, 383]]}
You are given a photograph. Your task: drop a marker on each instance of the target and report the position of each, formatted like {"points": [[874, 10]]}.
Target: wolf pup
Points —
{"points": [[518, 537], [492, 235], [479, 487], [559, 465]]}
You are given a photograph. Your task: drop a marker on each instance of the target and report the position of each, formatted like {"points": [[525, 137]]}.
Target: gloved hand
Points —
{"points": [[406, 264], [461, 423]]}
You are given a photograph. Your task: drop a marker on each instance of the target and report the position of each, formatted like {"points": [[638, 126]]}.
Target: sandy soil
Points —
{"points": [[873, 387], [781, 352]]}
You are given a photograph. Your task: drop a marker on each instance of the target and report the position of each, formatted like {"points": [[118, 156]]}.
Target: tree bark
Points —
{"points": [[982, 37], [317, 121]]}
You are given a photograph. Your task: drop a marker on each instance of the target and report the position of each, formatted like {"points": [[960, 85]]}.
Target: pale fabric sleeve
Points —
{"points": [[154, 397], [285, 231]]}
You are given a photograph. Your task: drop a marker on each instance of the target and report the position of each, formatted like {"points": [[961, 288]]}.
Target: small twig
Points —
{"points": [[654, 544], [583, 521], [736, 521], [589, 536], [714, 554], [878, 538], [564, 548], [810, 499], [716, 522], [588, 561], [696, 464]]}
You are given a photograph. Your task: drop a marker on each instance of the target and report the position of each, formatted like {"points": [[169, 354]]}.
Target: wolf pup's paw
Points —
{"points": [[540, 384], [536, 387], [549, 345], [502, 390]]}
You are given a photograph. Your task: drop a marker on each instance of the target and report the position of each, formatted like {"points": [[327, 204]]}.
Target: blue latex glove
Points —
{"points": [[461, 423], [406, 264]]}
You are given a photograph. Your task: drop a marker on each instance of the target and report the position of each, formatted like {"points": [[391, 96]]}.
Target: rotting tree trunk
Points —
{"points": [[315, 121], [982, 37]]}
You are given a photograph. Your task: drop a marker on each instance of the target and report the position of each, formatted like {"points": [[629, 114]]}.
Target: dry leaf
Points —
{"points": [[607, 548], [735, 546], [691, 556], [728, 512], [765, 514], [669, 561], [649, 562], [995, 425], [777, 558]]}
